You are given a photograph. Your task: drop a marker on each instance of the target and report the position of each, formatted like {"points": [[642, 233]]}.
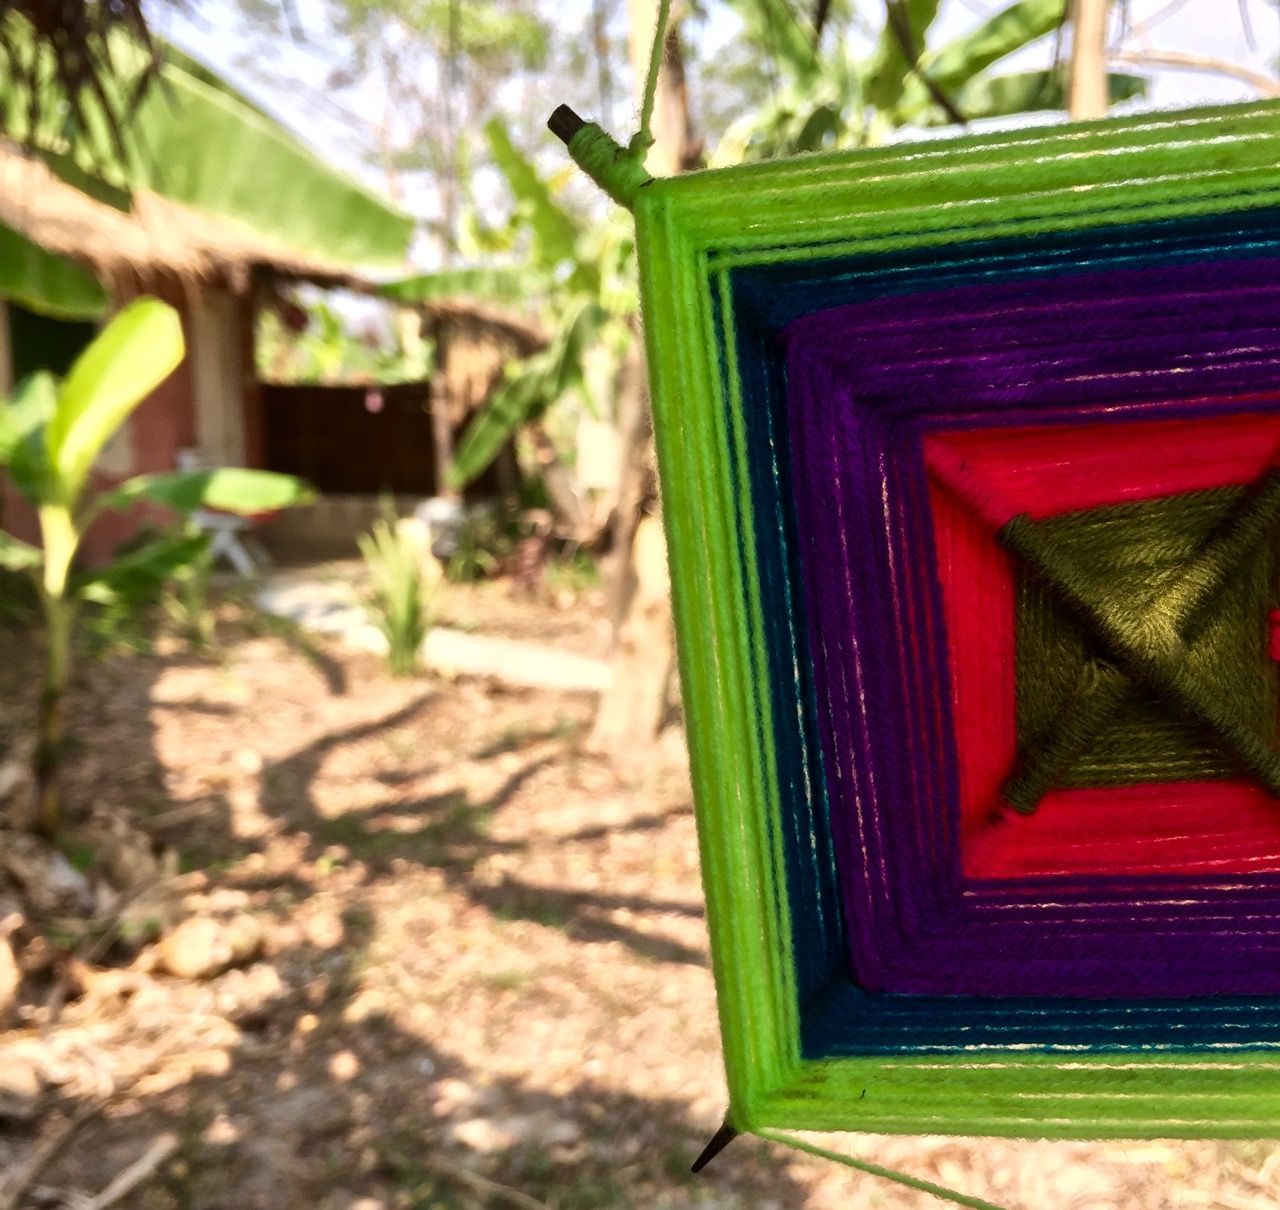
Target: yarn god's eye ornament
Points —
{"points": [[970, 456]]}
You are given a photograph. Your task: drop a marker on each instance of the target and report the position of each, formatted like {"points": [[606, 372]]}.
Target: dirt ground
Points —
{"points": [[482, 972]]}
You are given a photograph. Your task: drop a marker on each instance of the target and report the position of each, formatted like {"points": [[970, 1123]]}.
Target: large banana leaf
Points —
{"points": [[532, 385], [227, 489], [46, 283], [204, 145], [207, 75], [126, 361]]}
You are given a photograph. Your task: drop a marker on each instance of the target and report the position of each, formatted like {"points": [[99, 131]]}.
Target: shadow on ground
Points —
{"points": [[397, 1121]]}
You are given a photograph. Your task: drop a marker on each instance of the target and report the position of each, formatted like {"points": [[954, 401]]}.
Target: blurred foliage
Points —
{"points": [[574, 571], [404, 81], [498, 34], [582, 273], [118, 610], [400, 594], [314, 342], [485, 538], [186, 600], [68, 44], [827, 92], [822, 91]]}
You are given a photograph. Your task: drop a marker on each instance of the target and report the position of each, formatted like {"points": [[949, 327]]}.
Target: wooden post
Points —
{"points": [[1089, 94], [632, 709]]}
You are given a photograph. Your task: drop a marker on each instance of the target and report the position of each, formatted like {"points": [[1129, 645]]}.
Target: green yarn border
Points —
{"points": [[692, 229]]}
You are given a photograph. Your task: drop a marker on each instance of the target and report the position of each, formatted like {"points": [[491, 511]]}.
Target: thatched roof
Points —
{"points": [[152, 241]]}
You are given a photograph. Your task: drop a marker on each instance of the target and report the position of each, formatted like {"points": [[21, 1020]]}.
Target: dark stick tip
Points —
{"points": [[564, 123], [719, 1141]]}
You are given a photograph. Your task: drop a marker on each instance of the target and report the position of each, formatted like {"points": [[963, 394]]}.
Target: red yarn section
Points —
{"points": [[980, 479]]}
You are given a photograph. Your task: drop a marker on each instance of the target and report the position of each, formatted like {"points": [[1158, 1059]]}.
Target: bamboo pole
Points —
{"points": [[1088, 95]]}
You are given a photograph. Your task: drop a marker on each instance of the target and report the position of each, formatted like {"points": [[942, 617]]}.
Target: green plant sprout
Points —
{"points": [[51, 434], [400, 595]]}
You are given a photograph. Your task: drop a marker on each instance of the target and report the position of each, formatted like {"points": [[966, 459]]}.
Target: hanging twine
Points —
{"points": [[643, 139], [618, 170]]}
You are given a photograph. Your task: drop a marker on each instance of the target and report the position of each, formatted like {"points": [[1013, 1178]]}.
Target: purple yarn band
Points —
{"points": [[865, 383]]}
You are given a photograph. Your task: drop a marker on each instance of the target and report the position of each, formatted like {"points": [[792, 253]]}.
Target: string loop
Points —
{"points": [[643, 138]]}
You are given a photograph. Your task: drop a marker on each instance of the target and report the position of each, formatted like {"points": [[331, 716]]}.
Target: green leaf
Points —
{"points": [[554, 228], [22, 435], [890, 70], [137, 577], [137, 351], [204, 147], [1027, 92], [818, 126], [31, 407], [532, 385], [229, 489], [490, 283], [1000, 35], [46, 283], [961, 62], [16, 555]]}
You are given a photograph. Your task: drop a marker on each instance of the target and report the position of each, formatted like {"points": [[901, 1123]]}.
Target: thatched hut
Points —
{"points": [[78, 255]]}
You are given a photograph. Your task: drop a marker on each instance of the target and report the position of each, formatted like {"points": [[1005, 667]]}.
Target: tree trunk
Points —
{"points": [[632, 709], [1089, 95]]}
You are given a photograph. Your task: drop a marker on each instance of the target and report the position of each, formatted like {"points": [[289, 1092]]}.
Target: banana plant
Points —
{"points": [[838, 98], [583, 273], [51, 434]]}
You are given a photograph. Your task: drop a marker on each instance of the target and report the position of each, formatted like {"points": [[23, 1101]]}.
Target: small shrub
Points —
{"points": [[400, 593], [121, 605], [484, 540]]}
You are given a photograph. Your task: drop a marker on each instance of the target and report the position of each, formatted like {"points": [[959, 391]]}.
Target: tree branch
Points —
{"points": [[1267, 85], [141, 1170], [821, 11]]}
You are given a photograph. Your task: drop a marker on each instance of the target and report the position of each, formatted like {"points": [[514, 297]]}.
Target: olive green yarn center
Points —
{"points": [[1142, 643]]}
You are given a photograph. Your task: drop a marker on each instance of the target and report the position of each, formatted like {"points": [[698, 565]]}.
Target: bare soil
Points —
{"points": [[482, 978]]}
